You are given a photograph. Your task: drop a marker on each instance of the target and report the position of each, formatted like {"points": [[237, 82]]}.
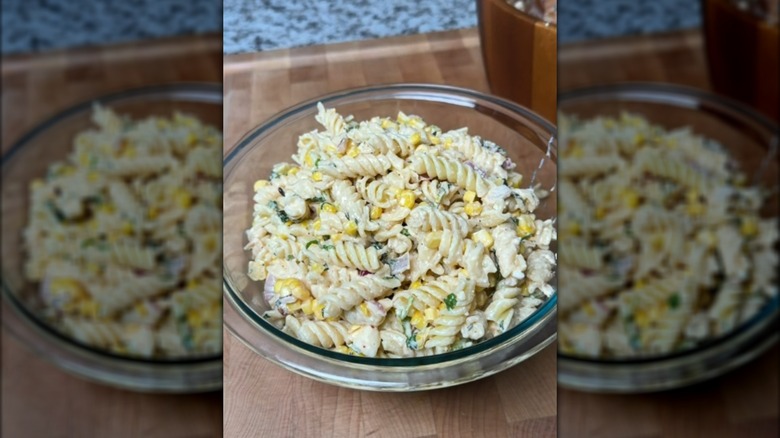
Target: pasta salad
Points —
{"points": [[391, 238], [124, 237], [663, 239]]}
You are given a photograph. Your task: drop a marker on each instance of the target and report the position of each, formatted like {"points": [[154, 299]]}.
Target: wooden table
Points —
{"points": [[262, 399], [39, 400], [741, 403]]}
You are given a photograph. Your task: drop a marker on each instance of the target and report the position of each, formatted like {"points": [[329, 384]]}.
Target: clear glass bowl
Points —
{"points": [[752, 140], [529, 140], [28, 159]]}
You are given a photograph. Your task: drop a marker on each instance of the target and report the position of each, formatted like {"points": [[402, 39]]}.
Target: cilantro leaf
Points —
{"points": [[674, 300], [312, 242], [451, 301]]}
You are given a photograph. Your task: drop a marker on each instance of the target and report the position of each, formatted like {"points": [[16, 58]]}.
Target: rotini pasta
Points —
{"points": [[124, 237], [664, 245], [382, 241]]}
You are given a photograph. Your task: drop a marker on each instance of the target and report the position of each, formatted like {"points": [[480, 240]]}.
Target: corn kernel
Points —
{"points": [[260, 184], [433, 239], [406, 198], [464, 271], [183, 198], [435, 140], [641, 318], [415, 140], [127, 227], [317, 309], [293, 171], [316, 176], [386, 124], [447, 143], [376, 212], [93, 176], [525, 225], [576, 151], [317, 268], [589, 310], [484, 237], [352, 151], [639, 138], [692, 196], [416, 285], [630, 199], [336, 237], [89, 308], [600, 212], [307, 160], [573, 228], [343, 350], [129, 152], [317, 224], [749, 227], [329, 208], [515, 180], [351, 228], [107, 208], [431, 313], [473, 209], [192, 283], [694, 209], [657, 242], [469, 196], [292, 307], [418, 319], [194, 318], [153, 212], [364, 309]]}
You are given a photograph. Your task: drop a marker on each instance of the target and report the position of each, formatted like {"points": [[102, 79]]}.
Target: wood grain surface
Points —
{"points": [[262, 399], [38, 399], [741, 403]]}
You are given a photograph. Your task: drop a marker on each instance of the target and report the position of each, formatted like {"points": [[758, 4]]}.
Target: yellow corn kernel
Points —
{"points": [[316, 176], [415, 140], [469, 196], [464, 271], [141, 309], [293, 171], [692, 196], [127, 227], [525, 225], [589, 310], [129, 152], [433, 239], [36, 184], [329, 208], [694, 209], [609, 123], [376, 212], [317, 268], [406, 198], [484, 237], [343, 350], [431, 313], [639, 138], [194, 318], [657, 242], [352, 151], [292, 307], [416, 285], [418, 319], [192, 283], [364, 309], [282, 236], [351, 228], [447, 143], [260, 184], [84, 159], [336, 237], [386, 124], [183, 198], [641, 318], [317, 309], [434, 140], [89, 308], [630, 198], [515, 180], [600, 212], [576, 151], [748, 227], [93, 176], [573, 228], [307, 307], [473, 209], [317, 224], [307, 160], [153, 212], [191, 139], [107, 208]]}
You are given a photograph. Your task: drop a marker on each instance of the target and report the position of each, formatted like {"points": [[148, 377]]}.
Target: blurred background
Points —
{"points": [[57, 54]]}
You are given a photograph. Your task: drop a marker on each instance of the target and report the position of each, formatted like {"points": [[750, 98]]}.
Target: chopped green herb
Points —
{"points": [[405, 232], [674, 300], [328, 246], [377, 245], [403, 312], [317, 163], [451, 301], [319, 199], [57, 213], [326, 237], [282, 215], [312, 242], [290, 257]]}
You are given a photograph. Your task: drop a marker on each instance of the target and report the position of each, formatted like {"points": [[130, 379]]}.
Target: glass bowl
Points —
{"points": [[529, 140], [752, 140], [28, 159]]}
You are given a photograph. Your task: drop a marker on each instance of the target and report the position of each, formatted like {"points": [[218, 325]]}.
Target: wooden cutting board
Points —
{"points": [[262, 399], [741, 403], [38, 399]]}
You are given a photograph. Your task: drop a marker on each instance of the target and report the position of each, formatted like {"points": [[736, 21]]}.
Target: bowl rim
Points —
{"points": [[541, 315], [687, 97], [204, 92]]}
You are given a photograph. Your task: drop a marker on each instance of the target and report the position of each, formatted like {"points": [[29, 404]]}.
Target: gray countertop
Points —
{"points": [[257, 25]]}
